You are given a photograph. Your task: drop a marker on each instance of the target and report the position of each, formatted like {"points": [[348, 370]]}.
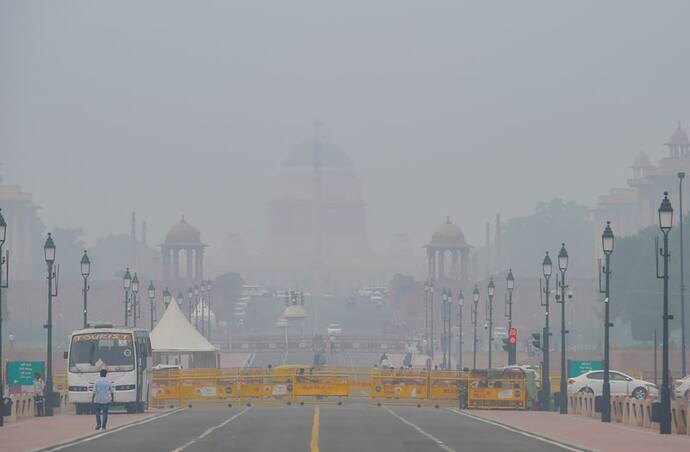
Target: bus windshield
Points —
{"points": [[95, 351]]}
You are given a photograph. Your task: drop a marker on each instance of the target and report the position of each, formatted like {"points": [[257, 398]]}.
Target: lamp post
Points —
{"points": [[127, 284], [85, 272], [427, 290], [563, 266], [510, 285], [49, 254], [461, 303], [190, 295], [167, 297], [665, 224], [196, 306], [180, 299], [202, 286], [208, 303], [490, 290], [607, 246], [152, 304], [135, 302], [449, 338], [3, 285], [475, 300], [547, 268], [681, 176], [444, 336], [431, 319]]}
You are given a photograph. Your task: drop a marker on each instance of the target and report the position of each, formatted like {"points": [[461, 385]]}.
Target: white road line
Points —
{"points": [[515, 430], [438, 442], [108, 432], [211, 430]]}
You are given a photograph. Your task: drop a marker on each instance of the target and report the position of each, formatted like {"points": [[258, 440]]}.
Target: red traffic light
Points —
{"points": [[513, 340], [513, 332]]}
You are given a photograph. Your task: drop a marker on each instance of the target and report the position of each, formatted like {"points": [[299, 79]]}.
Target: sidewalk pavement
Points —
{"points": [[587, 433], [40, 432]]}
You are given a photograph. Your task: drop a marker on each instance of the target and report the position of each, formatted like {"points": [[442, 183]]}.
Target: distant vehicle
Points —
{"points": [[334, 329], [621, 384], [500, 332], [682, 389], [254, 291], [282, 323], [376, 299], [124, 352]]}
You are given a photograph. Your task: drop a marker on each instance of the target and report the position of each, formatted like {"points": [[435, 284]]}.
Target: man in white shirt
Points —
{"points": [[39, 389], [103, 394]]}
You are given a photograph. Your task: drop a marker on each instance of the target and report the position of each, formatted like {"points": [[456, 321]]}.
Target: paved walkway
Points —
{"points": [[40, 432], [587, 433]]}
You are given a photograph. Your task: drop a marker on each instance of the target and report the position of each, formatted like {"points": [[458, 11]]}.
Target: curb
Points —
{"points": [[80, 438]]}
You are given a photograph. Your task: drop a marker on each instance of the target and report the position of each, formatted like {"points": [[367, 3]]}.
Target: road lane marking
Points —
{"points": [[438, 442], [517, 430], [315, 429], [212, 429], [71, 443]]}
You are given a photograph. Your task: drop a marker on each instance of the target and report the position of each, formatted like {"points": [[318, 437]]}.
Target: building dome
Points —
{"points": [[330, 156], [679, 136], [448, 234], [182, 233], [294, 312], [641, 161]]}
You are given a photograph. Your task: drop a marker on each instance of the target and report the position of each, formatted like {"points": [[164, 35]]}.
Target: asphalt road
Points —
{"points": [[357, 426]]}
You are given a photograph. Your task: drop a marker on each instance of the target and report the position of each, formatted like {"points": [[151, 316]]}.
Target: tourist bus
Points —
{"points": [[124, 352]]}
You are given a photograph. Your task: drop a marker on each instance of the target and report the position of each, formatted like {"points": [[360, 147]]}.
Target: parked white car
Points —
{"points": [[621, 384], [334, 329], [682, 388]]}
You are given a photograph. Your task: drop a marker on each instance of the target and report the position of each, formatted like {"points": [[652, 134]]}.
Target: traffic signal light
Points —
{"points": [[512, 346], [506, 344], [536, 340]]}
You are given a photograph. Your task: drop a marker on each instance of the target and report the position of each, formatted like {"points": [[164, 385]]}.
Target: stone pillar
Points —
{"points": [[200, 263], [190, 273], [176, 263], [430, 263], [454, 265], [441, 263]]}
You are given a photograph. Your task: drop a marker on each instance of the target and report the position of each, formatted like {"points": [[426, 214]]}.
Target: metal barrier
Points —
{"points": [[296, 384]]}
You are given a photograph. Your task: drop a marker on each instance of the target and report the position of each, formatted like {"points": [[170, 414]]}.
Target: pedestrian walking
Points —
{"points": [[39, 389], [103, 394]]}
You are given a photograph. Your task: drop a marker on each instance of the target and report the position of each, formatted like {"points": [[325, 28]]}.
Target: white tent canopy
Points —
{"points": [[175, 335]]}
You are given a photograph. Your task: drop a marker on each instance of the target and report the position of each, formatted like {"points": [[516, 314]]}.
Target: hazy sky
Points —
{"points": [[447, 108]]}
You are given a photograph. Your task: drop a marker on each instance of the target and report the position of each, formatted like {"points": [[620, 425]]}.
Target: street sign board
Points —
{"points": [[577, 367], [23, 372]]}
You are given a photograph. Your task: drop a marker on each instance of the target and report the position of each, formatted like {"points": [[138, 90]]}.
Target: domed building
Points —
{"points": [[447, 241], [183, 238], [317, 218]]}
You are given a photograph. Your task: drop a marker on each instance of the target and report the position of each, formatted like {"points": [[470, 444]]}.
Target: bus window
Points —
{"points": [[93, 352]]}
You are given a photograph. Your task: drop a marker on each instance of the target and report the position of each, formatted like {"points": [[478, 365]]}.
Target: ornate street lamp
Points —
{"points": [[49, 254], [152, 304], [166, 298], [135, 302], [461, 304], [127, 284], [563, 267], [547, 268], [490, 291], [665, 224], [3, 285], [85, 272], [607, 246], [475, 300], [510, 285]]}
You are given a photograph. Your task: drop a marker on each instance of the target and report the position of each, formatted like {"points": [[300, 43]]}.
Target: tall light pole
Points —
{"points": [[152, 304], [681, 176], [190, 295], [202, 287], [490, 290], [196, 306], [444, 336], [135, 302], [85, 272], [547, 268], [431, 318], [461, 303], [607, 245], [3, 285], [208, 303], [475, 300], [563, 266], [49, 254], [427, 289], [127, 284], [510, 285], [665, 224], [449, 339]]}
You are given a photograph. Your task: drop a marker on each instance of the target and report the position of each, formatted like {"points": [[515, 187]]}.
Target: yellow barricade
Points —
{"points": [[497, 393], [398, 387]]}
